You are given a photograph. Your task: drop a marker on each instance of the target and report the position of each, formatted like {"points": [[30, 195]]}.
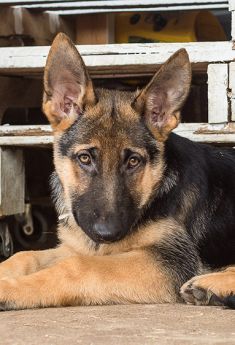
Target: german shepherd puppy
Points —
{"points": [[141, 210]]}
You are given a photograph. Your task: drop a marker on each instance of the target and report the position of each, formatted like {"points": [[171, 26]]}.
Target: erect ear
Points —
{"points": [[67, 85], [161, 100]]}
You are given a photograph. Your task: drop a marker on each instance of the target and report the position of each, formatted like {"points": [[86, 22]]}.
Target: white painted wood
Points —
{"points": [[135, 9], [12, 181], [31, 141], [115, 3], [231, 5], [217, 93], [200, 132], [28, 130], [118, 59], [86, 7], [232, 88], [233, 25]]}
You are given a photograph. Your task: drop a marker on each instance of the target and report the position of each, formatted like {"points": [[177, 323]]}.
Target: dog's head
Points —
{"points": [[109, 145]]}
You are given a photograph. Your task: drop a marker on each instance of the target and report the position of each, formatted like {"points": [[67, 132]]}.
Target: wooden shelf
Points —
{"points": [[41, 136], [97, 6], [114, 60]]}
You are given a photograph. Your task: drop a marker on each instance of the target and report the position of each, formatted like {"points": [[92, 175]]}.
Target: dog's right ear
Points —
{"points": [[67, 85]]}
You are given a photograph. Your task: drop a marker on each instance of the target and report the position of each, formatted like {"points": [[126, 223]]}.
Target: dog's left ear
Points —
{"points": [[67, 85], [161, 100]]}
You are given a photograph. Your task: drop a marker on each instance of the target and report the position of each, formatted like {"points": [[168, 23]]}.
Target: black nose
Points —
{"points": [[107, 232]]}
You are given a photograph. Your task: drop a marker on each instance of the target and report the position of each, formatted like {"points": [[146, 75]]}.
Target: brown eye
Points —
{"points": [[133, 162], [85, 159]]}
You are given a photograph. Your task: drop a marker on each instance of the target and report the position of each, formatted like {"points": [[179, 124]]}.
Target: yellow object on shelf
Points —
{"points": [[175, 27]]}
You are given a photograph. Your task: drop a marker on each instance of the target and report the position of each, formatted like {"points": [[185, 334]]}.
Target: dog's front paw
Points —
{"points": [[195, 293], [7, 305]]}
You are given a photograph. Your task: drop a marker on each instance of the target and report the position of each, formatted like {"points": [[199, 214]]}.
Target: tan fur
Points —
{"points": [[85, 280]]}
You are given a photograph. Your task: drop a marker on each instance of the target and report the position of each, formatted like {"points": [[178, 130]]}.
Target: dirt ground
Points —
{"points": [[119, 325]]}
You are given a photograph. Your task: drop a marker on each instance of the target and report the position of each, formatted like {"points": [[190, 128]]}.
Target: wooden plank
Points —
{"points": [[12, 181], [115, 3], [27, 130], [232, 89], [233, 26], [200, 132], [217, 93], [31, 141], [121, 5], [35, 135], [74, 12], [117, 58], [231, 5]]}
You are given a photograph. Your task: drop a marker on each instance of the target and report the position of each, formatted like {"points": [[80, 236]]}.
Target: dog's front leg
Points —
{"points": [[133, 277], [28, 262]]}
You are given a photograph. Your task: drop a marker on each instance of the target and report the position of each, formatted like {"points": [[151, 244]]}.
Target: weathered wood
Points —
{"points": [[233, 26], [232, 89], [25, 130], [232, 9], [79, 7], [24, 141], [114, 3], [231, 4], [218, 128], [118, 59], [135, 9], [12, 181], [35, 135], [217, 93]]}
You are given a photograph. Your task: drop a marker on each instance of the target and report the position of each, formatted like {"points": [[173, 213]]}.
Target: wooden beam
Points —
{"points": [[232, 89], [25, 130], [79, 7], [218, 111], [233, 27], [73, 12], [35, 135], [12, 181], [118, 59], [231, 4]]}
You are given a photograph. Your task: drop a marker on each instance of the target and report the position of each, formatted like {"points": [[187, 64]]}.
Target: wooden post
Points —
{"points": [[12, 181], [232, 9], [218, 109], [232, 89], [233, 28]]}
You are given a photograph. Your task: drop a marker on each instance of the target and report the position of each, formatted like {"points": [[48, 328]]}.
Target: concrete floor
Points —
{"points": [[119, 325]]}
